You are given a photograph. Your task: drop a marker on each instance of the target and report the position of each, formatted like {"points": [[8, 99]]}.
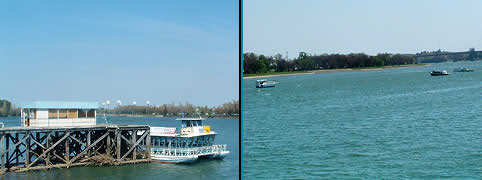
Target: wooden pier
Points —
{"points": [[32, 148]]}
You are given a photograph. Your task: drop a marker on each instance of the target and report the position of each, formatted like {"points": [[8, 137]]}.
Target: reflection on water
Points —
{"points": [[228, 133]]}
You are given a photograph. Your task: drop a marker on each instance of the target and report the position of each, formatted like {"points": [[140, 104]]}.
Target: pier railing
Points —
{"points": [[28, 148]]}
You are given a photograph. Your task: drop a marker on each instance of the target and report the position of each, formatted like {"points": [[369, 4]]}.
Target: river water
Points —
{"points": [[382, 124], [228, 168]]}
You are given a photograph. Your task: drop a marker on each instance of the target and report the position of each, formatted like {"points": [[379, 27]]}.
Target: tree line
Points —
{"points": [[253, 63], [225, 110], [228, 109], [7, 109]]}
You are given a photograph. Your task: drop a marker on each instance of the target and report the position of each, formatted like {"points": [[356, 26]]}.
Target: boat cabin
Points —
{"points": [[263, 83], [193, 126], [58, 113]]}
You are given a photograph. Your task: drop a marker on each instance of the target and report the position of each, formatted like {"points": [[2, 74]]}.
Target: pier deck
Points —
{"points": [[31, 148]]}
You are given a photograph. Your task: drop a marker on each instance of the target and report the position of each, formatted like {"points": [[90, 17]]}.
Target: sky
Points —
{"points": [[351, 26], [158, 51]]}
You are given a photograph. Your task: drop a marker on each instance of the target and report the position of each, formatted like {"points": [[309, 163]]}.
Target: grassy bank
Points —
{"points": [[272, 74], [277, 73]]}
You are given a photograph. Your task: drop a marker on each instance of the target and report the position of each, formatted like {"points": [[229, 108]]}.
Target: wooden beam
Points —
{"points": [[17, 150], [92, 145], [2, 148], [38, 144], [138, 141], [125, 139], [27, 148], [118, 148], [67, 150], [47, 145], [7, 144], [133, 138], [66, 135], [16, 144], [148, 144], [88, 143], [108, 145]]}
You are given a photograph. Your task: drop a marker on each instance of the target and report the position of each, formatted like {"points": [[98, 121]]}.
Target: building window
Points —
{"points": [[72, 113], [91, 113], [53, 114], [82, 113], [62, 113]]}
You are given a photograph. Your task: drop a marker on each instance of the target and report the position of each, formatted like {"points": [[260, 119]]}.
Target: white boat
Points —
{"points": [[191, 142], [439, 73], [463, 69], [263, 83]]}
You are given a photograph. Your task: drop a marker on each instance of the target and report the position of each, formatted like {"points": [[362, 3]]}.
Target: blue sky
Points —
{"points": [[162, 51], [351, 26]]}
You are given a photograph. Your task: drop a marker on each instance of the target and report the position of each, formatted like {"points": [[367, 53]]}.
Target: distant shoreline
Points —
{"points": [[131, 115], [338, 70]]}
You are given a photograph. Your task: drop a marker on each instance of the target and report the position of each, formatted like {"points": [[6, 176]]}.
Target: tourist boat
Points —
{"points": [[263, 83], [439, 73], [463, 69], [191, 142]]}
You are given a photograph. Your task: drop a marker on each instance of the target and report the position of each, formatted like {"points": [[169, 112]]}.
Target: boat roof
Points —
{"points": [[190, 119], [262, 80], [61, 105]]}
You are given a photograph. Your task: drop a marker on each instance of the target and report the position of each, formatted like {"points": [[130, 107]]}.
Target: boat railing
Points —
{"points": [[191, 151]]}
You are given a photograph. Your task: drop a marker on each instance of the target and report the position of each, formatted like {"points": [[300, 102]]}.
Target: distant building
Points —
{"points": [[58, 113]]}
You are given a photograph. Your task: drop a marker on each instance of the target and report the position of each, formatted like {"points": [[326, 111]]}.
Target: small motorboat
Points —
{"points": [[439, 73], [263, 83], [463, 69]]}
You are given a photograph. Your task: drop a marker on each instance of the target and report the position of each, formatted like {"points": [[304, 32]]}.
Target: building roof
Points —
{"points": [[61, 105]]}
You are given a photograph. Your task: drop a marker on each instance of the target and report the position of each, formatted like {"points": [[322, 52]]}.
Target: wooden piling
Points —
{"points": [[53, 147]]}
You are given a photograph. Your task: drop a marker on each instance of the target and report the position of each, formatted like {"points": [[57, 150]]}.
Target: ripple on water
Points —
{"points": [[394, 124]]}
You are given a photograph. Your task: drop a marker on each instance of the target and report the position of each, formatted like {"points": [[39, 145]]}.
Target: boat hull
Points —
{"points": [[217, 155], [439, 74], [174, 159], [265, 86]]}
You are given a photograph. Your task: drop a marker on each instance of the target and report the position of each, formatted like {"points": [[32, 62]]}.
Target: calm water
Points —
{"points": [[228, 133], [390, 124]]}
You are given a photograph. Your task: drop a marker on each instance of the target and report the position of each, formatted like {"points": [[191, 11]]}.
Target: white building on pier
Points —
{"points": [[58, 114]]}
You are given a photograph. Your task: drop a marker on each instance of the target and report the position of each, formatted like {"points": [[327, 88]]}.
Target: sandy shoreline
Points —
{"points": [[338, 70]]}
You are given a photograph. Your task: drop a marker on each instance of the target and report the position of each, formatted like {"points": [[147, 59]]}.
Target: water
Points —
{"points": [[385, 124], [228, 133]]}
